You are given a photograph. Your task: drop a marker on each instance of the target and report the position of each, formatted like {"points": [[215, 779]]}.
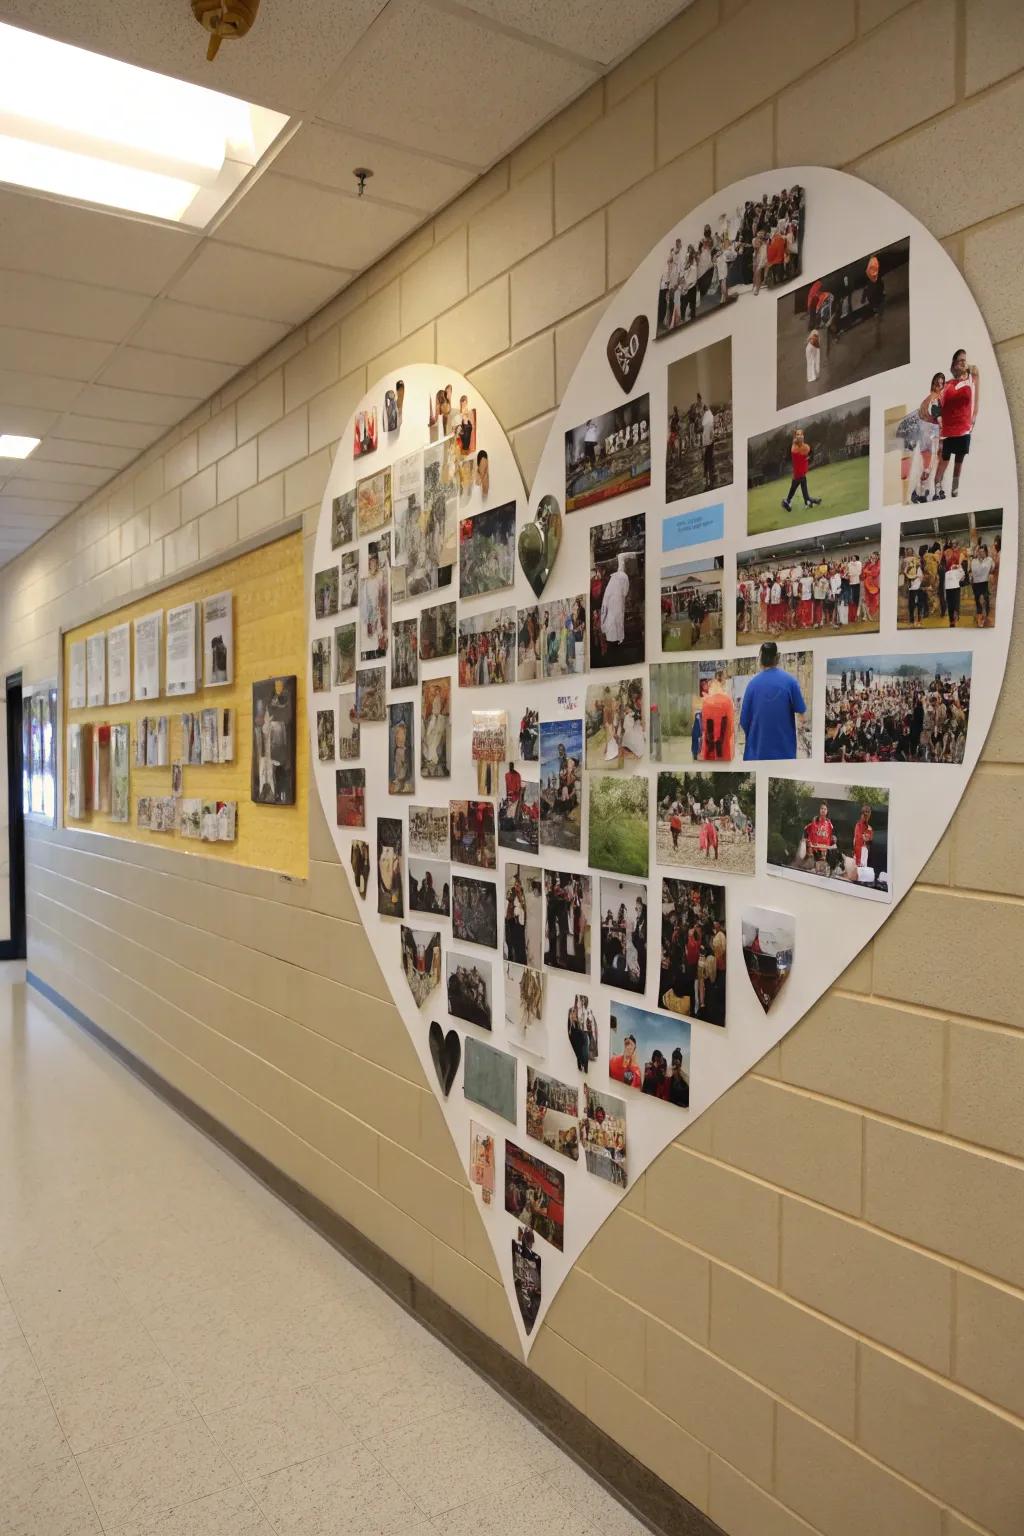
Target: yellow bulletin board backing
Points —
{"points": [[270, 641]]}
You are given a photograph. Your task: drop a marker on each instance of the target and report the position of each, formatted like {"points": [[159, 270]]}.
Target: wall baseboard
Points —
{"points": [[644, 1494]]}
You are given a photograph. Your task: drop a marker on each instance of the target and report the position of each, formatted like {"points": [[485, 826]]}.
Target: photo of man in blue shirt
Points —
{"points": [[771, 702]]}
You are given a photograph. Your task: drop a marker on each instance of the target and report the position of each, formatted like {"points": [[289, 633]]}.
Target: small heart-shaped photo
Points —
{"points": [[445, 1053], [627, 350]]}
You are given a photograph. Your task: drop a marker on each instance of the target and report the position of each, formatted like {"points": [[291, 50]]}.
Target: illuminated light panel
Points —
{"points": [[12, 447]]}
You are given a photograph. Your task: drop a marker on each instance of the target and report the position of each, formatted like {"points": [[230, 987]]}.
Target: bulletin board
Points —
{"points": [[269, 633]]}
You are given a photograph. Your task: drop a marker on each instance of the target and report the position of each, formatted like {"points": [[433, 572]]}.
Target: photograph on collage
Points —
{"points": [[691, 605], [364, 434], [617, 595], [751, 708], [343, 519], [518, 812], [603, 1133], [649, 1052], [561, 783], [437, 632], [524, 1008], [390, 896], [401, 749], [616, 731], [523, 897], [487, 648], [810, 588], [429, 831], [373, 502], [527, 1268], [474, 911], [489, 1076], [348, 595], [922, 441], [809, 470], [404, 653], [325, 735], [436, 727], [949, 571], [429, 886], [623, 913], [472, 833], [350, 794], [326, 591], [468, 981], [769, 940], [487, 550], [693, 950], [553, 1113], [618, 823], [698, 454], [608, 455], [707, 819], [567, 902], [344, 654], [320, 661], [273, 741], [374, 604], [370, 694], [348, 727], [535, 1194], [904, 708], [421, 962], [581, 1025], [481, 1160], [837, 834], [561, 638]]}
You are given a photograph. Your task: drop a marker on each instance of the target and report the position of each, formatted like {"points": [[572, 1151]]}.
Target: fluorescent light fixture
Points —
{"points": [[12, 447], [83, 126]]}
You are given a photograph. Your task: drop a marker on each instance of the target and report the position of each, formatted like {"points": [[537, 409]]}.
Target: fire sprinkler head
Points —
{"points": [[362, 174]]}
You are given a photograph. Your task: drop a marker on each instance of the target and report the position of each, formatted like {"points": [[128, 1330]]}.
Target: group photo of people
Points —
{"points": [[552, 1113], [582, 1027], [603, 1133], [523, 891], [922, 441], [691, 605], [836, 833], [608, 455], [469, 989], [707, 819], [615, 723], [751, 708], [902, 708], [949, 571], [698, 449], [567, 899], [799, 590], [809, 470], [623, 935], [487, 648], [535, 1194], [551, 639], [650, 1053], [693, 950]]}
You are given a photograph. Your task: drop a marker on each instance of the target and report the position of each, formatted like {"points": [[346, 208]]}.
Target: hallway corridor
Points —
{"points": [[180, 1354]]}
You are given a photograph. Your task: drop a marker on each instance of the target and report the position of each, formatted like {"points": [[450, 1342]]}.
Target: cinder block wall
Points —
{"points": [[809, 1315]]}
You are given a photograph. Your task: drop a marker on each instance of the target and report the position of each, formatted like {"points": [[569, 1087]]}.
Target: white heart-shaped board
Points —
{"points": [[697, 523]]}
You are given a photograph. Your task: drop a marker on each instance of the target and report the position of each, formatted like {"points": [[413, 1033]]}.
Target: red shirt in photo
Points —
{"points": [[800, 453], [957, 407]]}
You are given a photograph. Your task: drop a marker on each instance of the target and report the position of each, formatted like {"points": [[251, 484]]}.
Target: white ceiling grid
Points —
{"points": [[114, 328]]}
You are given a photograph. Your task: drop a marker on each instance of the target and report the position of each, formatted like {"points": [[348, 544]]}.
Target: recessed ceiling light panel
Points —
{"points": [[12, 447]]}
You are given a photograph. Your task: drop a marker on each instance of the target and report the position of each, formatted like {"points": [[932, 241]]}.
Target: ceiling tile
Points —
{"points": [[243, 282], [18, 509], [135, 405], [191, 332], [500, 89], [75, 309], [46, 469], [134, 368], [89, 245], [329, 155], [36, 389], [59, 450], [45, 490], [62, 357], [292, 218], [26, 421], [94, 429], [602, 30]]}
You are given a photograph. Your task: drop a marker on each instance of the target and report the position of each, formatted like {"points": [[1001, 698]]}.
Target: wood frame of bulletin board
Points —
{"points": [[268, 587]]}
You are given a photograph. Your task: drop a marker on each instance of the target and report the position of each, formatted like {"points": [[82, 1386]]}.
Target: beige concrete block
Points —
{"points": [[371, 327], [789, 1139], [476, 329], [714, 1208], [237, 471], [983, 178], [992, 268], [420, 347], [511, 227], [337, 308], [305, 482], [667, 44], [571, 338], [746, 147], [742, 1509], [842, 1492], [388, 268], [315, 368], [422, 1193], [147, 485], [181, 548], [654, 1270], [216, 438], [435, 282], [938, 869], [261, 506], [561, 130], [476, 1244], [165, 514], [990, 1341], [874, 12], [121, 502], [561, 1366], [283, 352], [284, 443], [329, 412], [199, 494], [528, 444], [612, 154], [994, 43], [710, 1400], [803, 1359], [866, 1053], [559, 279], [601, 1324], [462, 1286], [132, 535], [468, 204], [147, 566], [260, 406], [967, 1205], [520, 385], [654, 1438], [648, 210], [902, 968], [858, 976], [941, 1439], [218, 529], [756, 57], [868, 1281], [986, 1087], [828, 108], [181, 461]]}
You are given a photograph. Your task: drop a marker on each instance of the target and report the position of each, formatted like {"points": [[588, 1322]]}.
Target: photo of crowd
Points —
{"points": [[898, 708], [472, 833], [535, 1194], [523, 914], [949, 571], [921, 441], [552, 1113], [845, 326], [707, 819], [693, 950], [519, 813], [698, 451], [615, 723], [582, 1026], [834, 833], [469, 989], [810, 587], [524, 1008], [487, 648], [608, 455], [603, 1133], [474, 911], [768, 940], [429, 887], [561, 783], [421, 962], [820, 459], [740, 251], [617, 592], [623, 935], [751, 708], [691, 605], [650, 1052], [567, 900]]}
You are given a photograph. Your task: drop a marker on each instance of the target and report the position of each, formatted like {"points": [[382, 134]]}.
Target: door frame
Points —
{"points": [[14, 948]]}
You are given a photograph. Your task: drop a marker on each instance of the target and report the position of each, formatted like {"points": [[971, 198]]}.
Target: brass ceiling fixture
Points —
{"points": [[224, 18]]}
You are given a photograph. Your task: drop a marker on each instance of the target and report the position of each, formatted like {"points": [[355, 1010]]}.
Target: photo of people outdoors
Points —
{"points": [[487, 648], [474, 911], [325, 735], [691, 605], [421, 962], [845, 326], [603, 1133], [437, 632], [390, 902], [374, 604], [524, 1008], [523, 914], [370, 694], [535, 1194], [707, 819], [469, 989], [810, 469], [529, 733], [617, 592], [898, 708], [617, 828], [344, 654], [582, 1026], [810, 587], [650, 1052], [401, 749], [739, 252], [429, 831], [472, 833], [348, 728], [700, 712], [436, 718], [373, 502], [563, 636], [429, 887], [326, 593], [608, 455], [561, 783], [343, 519], [321, 666], [519, 813], [616, 732], [623, 935], [921, 441], [949, 571], [552, 1113], [487, 550], [698, 453], [836, 833], [693, 950], [567, 899], [768, 941]]}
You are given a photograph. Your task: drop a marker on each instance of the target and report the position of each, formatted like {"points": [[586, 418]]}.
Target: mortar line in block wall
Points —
{"points": [[923, 1010]]}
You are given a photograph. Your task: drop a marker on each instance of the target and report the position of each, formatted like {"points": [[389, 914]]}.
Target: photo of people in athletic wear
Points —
{"points": [[809, 469], [949, 571], [608, 455], [909, 708], [923, 441], [698, 452], [810, 588], [836, 834]]}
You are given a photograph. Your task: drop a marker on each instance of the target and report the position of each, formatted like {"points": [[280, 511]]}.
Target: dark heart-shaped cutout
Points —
{"points": [[539, 543], [526, 1277], [627, 350], [446, 1053]]}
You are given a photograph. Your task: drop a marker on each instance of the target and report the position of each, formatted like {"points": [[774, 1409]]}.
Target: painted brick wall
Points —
{"points": [[809, 1315]]}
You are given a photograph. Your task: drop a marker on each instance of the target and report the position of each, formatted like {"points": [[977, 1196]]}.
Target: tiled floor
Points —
{"points": [[181, 1356]]}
